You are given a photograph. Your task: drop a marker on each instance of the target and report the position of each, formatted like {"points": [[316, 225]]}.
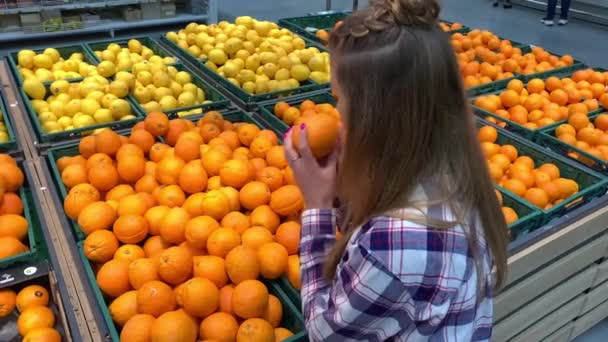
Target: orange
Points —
{"points": [[516, 186], [100, 246], [510, 215], [176, 128], [552, 83], [242, 264], [541, 177], [175, 265], [119, 192], [237, 221], [577, 108], [559, 97], [10, 204], [255, 330], [254, 194], [187, 148], [515, 85], [216, 204], [274, 312], [489, 149], [211, 267], [537, 196], [275, 156], [78, 198], [129, 252], [35, 317], [293, 271], [174, 326], [73, 175], [131, 228], [578, 121], [209, 131], [551, 189], [173, 225], [142, 138], [495, 171], [259, 147], [129, 150], [142, 271], [231, 138], [235, 173], [501, 161], [288, 235], [322, 134], [589, 135], [226, 299], [510, 151], [233, 197], [519, 114], [12, 225], [604, 100], [31, 296], [103, 178], [601, 122], [155, 298], [567, 187], [169, 169], [250, 299], [171, 196], [527, 177], [137, 328], [273, 260], [198, 230], [108, 142], [222, 241], [8, 300], [156, 123], [123, 308], [248, 132], [281, 334], [527, 161], [265, 216], [42, 335], [566, 128], [535, 85], [200, 297], [219, 326], [155, 216], [280, 108], [213, 117], [271, 176], [487, 134], [193, 177]]}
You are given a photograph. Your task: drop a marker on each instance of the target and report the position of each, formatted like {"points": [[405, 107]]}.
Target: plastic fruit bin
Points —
{"points": [[552, 72], [308, 26], [65, 52]]}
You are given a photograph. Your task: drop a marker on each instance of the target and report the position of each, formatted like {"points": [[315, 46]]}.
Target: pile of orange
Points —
{"points": [[450, 27], [542, 186], [13, 226], [292, 115], [591, 137], [483, 57], [544, 102], [179, 232], [36, 320]]}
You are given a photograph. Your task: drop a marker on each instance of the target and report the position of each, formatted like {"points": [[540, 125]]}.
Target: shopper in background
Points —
{"points": [[420, 221], [506, 4], [551, 5]]}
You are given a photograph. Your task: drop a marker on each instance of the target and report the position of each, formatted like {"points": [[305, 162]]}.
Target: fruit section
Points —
{"points": [[169, 182]]}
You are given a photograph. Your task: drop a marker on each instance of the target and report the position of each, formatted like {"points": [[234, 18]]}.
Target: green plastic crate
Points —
{"points": [[64, 51], [557, 71], [145, 41], [531, 134], [76, 133], [591, 184], [529, 216], [547, 138], [307, 86], [309, 25], [292, 318], [11, 144], [266, 110], [489, 88], [218, 101]]}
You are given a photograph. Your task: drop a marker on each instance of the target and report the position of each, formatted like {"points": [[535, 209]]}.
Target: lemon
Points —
{"points": [[103, 115], [26, 61], [34, 88], [281, 75], [89, 106], [63, 97], [108, 99], [39, 106], [271, 69], [171, 36], [300, 72], [107, 55], [65, 121], [317, 63], [152, 106], [189, 88], [141, 66], [273, 85], [200, 95], [72, 107], [246, 21], [106, 69], [176, 88], [252, 62], [59, 87], [53, 54], [183, 77], [51, 127], [47, 116], [114, 48], [142, 95], [293, 83], [119, 88], [126, 77], [4, 137], [95, 95], [249, 87], [161, 92], [161, 79], [211, 66], [242, 55], [261, 87], [246, 75], [168, 103], [74, 91], [217, 56], [57, 107], [232, 45], [44, 75], [231, 69], [134, 46], [186, 99], [234, 81], [144, 77], [88, 87], [269, 57], [120, 108], [319, 77], [43, 61], [147, 53], [83, 121]]}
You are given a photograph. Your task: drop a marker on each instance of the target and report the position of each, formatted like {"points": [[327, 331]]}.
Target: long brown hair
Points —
{"points": [[406, 118]]}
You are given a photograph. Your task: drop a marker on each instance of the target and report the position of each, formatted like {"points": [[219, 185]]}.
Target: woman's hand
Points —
{"points": [[316, 179]]}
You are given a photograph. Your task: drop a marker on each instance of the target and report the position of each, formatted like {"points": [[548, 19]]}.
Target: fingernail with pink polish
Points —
{"points": [[302, 126]]}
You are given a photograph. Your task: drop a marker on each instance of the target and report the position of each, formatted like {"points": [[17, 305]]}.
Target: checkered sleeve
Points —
{"points": [[360, 304]]}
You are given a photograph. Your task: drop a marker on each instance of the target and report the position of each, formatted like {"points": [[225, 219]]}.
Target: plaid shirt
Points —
{"points": [[397, 281]]}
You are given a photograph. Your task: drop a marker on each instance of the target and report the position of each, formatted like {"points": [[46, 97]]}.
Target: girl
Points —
{"points": [[420, 221]]}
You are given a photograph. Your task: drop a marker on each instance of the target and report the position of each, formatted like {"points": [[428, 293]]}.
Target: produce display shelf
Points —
{"points": [[547, 138], [591, 184], [78, 132], [11, 144], [144, 40], [17, 278], [218, 100], [308, 26], [65, 52], [242, 95], [266, 109]]}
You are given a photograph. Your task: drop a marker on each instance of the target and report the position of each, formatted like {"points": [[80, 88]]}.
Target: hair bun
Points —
{"points": [[413, 12]]}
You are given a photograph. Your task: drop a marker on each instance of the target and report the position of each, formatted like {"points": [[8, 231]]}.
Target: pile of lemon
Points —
{"points": [[49, 66], [254, 55]]}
